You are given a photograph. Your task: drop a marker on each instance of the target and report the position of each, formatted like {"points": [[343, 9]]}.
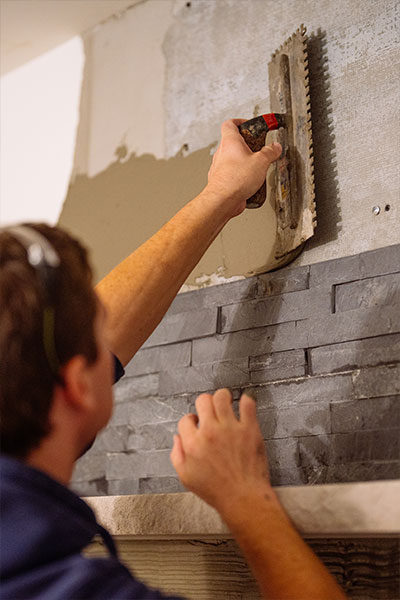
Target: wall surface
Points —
{"points": [[318, 342], [318, 346], [160, 79]]}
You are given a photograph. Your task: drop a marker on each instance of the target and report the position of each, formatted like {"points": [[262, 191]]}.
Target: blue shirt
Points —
{"points": [[44, 529]]}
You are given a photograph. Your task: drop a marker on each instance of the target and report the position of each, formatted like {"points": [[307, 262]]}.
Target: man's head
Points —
{"points": [[27, 379]]}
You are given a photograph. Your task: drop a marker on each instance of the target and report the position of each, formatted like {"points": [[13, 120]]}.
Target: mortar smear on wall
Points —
{"points": [[121, 207]]}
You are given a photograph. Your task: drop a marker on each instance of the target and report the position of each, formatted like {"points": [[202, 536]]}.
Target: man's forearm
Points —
{"points": [[284, 565], [138, 292]]}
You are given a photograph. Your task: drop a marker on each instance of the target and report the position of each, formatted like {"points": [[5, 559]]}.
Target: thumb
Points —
{"points": [[271, 152], [177, 454]]}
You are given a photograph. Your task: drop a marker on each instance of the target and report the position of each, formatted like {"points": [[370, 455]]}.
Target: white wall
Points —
{"points": [[39, 117]]}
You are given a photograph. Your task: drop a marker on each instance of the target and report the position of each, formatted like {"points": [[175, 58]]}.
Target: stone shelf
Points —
{"points": [[365, 509]]}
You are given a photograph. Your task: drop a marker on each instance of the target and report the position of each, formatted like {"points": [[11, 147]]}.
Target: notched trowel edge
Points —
{"points": [[294, 171]]}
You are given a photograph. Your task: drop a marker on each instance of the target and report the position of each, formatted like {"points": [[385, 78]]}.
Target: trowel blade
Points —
{"points": [[294, 171]]}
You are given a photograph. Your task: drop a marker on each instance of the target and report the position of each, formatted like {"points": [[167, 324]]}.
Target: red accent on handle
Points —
{"points": [[271, 121]]}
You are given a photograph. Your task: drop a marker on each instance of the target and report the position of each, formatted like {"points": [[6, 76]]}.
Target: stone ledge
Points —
{"points": [[332, 510]]}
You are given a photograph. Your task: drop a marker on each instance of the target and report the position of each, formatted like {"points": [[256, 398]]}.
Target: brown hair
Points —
{"points": [[26, 378]]}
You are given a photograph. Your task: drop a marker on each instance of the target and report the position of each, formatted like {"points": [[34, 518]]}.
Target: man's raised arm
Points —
{"points": [[138, 292]]}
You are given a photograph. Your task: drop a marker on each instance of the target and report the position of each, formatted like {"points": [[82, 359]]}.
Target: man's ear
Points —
{"points": [[76, 386]]}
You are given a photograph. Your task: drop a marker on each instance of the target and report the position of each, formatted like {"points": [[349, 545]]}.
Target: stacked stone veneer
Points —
{"points": [[319, 346]]}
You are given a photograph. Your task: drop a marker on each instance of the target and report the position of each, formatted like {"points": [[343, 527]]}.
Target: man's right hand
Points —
{"points": [[236, 172]]}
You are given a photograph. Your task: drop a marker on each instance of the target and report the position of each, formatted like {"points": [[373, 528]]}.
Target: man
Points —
{"points": [[56, 373]]}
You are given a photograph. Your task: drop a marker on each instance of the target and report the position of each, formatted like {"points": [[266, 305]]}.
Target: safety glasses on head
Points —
{"points": [[43, 257]]}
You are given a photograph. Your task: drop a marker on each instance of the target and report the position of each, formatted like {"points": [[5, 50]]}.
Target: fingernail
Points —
{"points": [[250, 393], [278, 148]]}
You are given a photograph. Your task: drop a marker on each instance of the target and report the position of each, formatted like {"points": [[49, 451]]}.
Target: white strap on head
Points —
{"points": [[38, 248]]}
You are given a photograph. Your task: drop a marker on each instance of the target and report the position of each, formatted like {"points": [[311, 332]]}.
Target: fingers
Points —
{"points": [[223, 406], [205, 408], [187, 426], [247, 410], [272, 151], [231, 125], [230, 128], [238, 122], [177, 454]]}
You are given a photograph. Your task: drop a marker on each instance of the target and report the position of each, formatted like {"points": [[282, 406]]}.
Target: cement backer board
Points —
{"points": [[355, 65], [216, 570]]}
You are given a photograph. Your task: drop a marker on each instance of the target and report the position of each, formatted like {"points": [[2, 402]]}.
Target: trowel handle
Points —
{"points": [[254, 133]]}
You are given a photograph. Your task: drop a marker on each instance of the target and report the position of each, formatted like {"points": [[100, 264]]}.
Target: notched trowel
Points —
{"points": [[293, 179]]}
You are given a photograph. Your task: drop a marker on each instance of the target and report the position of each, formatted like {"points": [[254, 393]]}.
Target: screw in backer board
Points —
{"points": [[376, 210]]}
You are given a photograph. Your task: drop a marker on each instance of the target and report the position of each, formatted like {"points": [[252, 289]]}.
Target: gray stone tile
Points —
{"points": [[160, 358], [217, 295], [277, 360], [331, 272], [201, 378], [99, 487], [111, 439], [126, 466], [286, 476], [288, 279], [90, 467], [363, 471], [314, 451], [160, 485], [377, 381], [279, 309], [296, 421], [349, 325], [376, 291], [120, 415], [159, 464], [157, 410], [184, 326], [380, 261], [310, 390], [361, 456], [344, 473], [129, 388], [122, 487], [373, 413], [241, 344], [369, 264], [359, 446], [150, 410], [282, 453], [264, 375], [355, 354], [155, 436], [313, 474]]}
